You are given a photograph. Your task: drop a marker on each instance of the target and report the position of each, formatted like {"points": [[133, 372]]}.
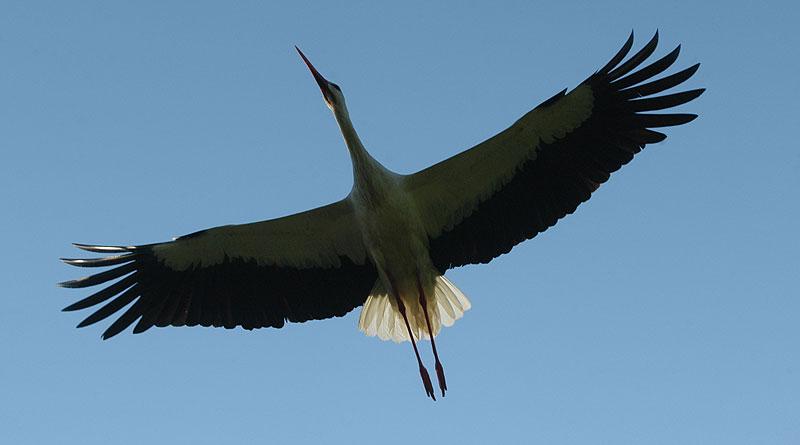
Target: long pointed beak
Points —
{"points": [[321, 81]]}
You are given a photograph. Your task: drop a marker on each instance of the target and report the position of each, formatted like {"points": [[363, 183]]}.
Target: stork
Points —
{"points": [[387, 245]]}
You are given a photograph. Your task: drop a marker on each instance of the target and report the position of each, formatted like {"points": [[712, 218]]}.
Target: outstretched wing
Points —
{"points": [[307, 266], [482, 202]]}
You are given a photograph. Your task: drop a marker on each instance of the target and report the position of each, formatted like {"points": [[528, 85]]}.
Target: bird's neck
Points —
{"points": [[366, 169]]}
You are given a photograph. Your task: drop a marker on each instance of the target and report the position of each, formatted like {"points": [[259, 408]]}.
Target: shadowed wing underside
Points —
{"points": [[482, 202], [307, 266]]}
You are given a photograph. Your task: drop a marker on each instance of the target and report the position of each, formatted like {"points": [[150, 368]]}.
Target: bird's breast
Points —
{"points": [[395, 236]]}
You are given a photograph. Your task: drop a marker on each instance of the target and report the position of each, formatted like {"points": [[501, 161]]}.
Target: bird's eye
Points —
{"points": [[336, 86]]}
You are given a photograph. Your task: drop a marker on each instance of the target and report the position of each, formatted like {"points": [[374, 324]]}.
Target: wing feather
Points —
{"points": [[307, 266], [480, 203], [104, 294]]}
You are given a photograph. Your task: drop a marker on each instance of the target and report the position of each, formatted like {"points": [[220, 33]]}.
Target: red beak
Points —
{"points": [[321, 81]]}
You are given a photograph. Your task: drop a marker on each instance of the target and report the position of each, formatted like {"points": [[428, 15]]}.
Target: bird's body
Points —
{"points": [[380, 200], [387, 245]]}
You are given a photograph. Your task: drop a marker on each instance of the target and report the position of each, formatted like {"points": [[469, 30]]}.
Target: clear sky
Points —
{"points": [[664, 311]]}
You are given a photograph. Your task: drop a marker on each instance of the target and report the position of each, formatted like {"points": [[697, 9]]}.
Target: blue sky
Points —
{"points": [[664, 311]]}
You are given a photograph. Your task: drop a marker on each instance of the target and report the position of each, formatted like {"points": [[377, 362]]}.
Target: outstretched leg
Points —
{"points": [[439, 369], [423, 372]]}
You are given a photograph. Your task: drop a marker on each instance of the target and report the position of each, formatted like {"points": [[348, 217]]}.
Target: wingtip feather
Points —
{"points": [[74, 307], [103, 249], [70, 284], [99, 262], [626, 47], [635, 60]]}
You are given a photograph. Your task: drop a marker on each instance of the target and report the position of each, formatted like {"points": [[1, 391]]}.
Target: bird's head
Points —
{"points": [[330, 91]]}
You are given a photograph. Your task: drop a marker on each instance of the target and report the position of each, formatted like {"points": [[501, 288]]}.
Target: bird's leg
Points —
{"points": [[423, 372], [439, 369]]}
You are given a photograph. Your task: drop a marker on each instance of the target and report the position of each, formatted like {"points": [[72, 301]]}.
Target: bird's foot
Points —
{"points": [[426, 380], [440, 377]]}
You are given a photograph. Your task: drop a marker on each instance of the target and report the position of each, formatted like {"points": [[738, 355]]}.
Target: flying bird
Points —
{"points": [[389, 242]]}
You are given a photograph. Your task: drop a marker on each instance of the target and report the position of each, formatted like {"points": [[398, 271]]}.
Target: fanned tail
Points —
{"points": [[380, 316]]}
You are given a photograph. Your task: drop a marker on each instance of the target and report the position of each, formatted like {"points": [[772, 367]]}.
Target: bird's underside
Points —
{"points": [[468, 209]]}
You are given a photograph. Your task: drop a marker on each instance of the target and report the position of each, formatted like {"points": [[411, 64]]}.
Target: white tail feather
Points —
{"points": [[380, 315]]}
